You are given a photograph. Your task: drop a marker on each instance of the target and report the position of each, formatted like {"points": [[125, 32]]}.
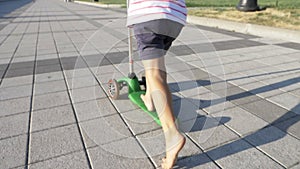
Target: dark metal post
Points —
{"points": [[248, 5]]}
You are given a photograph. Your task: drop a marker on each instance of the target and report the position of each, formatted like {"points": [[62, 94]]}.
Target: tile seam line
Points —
{"points": [[290, 134], [245, 91], [38, 131], [14, 53], [242, 137], [259, 118], [239, 138], [88, 158], [28, 154], [47, 32], [94, 23], [203, 151], [54, 157], [262, 152], [92, 66], [118, 113]]}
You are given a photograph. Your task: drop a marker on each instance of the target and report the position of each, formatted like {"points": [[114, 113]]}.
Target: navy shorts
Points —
{"points": [[154, 38]]}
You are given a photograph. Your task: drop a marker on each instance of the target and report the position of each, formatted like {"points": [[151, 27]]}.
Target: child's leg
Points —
{"points": [[147, 97], [159, 92]]}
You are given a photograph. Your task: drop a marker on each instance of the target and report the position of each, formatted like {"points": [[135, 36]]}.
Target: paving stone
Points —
{"points": [[14, 106], [241, 121], [87, 94], [47, 69], [75, 160], [291, 45], [80, 82], [13, 125], [240, 154], [185, 109], [94, 109], [68, 54], [47, 101], [239, 96], [104, 78], [104, 159], [17, 81], [153, 142], [50, 87], [209, 133], [291, 126], [3, 66], [177, 67], [128, 148], [189, 89], [277, 144], [48, 59], [209, 101], [45, 62], [267, 111], [104, 69], [188, 58], [13, 151], [287, 101], [139, 121], [46, 77], [54, 142], [77, 73], [52, 117], [105, 129], [265, 92], [15, 92], [123, 104], [19, 72], [75, 63], [89, 142], [218, 106], [21, 65], [286, 82], [269, 40], [199, 161], [291, 87], [297, 166]]}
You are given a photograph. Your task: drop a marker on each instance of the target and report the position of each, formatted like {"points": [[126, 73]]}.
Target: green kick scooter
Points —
{"points": [[133, 84]]}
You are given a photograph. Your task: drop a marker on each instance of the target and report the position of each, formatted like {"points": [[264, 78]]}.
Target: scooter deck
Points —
{"points": [[135, 97]]}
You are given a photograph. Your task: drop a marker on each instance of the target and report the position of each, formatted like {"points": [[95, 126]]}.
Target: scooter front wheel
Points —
{"points": [[113, 89]]}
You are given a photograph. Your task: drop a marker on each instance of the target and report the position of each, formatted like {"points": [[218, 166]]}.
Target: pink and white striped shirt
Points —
{"points": [[146, 10]]}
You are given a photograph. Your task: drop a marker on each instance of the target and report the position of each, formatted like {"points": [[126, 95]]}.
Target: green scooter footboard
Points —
{"points": [[135, 97]]}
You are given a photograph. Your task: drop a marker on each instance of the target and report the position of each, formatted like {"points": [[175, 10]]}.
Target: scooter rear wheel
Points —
{"points": [[113, 89]]}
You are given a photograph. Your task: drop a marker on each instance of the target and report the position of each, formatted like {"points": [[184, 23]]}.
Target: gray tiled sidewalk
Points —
{"points": [[236, 96]]}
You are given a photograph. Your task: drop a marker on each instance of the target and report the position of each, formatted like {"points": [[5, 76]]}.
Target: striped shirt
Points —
{"points": [[146, 10]]}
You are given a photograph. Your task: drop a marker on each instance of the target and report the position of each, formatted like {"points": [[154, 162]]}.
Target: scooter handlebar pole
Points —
{"points": [[130, 51]]}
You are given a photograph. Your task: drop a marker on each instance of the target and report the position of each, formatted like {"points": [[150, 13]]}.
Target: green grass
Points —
{"points": [[280, 13], [282, 4]]}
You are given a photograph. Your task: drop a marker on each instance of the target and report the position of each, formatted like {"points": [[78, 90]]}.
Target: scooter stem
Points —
{"points": [[130, 51]]}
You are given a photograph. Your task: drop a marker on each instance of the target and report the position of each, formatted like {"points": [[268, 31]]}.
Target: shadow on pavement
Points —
{"points": [[9, 6], [258, 138]]}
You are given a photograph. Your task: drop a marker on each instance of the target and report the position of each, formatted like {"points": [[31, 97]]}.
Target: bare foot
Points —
{"points": [[148, 103], [172, 153]]}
